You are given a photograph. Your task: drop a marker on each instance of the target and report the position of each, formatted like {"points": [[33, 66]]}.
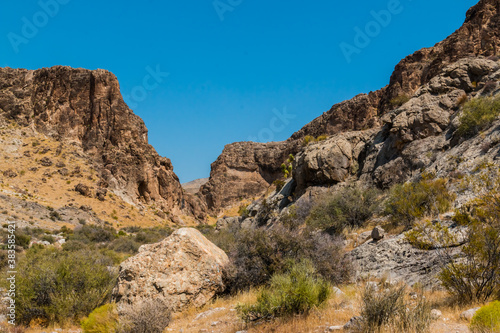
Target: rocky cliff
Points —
{"points": [[478, 36], [85, 108]]}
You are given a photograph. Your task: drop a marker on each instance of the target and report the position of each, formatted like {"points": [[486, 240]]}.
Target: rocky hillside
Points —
{"points": [[478, 36], [81, 113]]}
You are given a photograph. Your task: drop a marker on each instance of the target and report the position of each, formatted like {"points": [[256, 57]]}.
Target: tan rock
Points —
{"points": [[184, 269]]}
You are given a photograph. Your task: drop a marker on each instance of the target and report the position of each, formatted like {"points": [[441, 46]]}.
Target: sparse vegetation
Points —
{"points": [[477, 115], [388, 311], [297, 291], [151, 316], [476, 278], [349, 207], [411, 201], [58, 286], [310, 139], [487, 319], [399, 100], [102, 319]]}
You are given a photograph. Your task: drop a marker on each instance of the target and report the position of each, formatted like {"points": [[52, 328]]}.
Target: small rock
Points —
{"points": [[241, 332], [354, 323], [215, 323], [378, 233], [436, 314], [83, 190], [335, 328], [337, 292], [467, 315], [10, 173], [46, 162]]}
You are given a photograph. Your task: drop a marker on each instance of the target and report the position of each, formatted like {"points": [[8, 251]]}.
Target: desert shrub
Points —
{"points": [[243, 211], [74, 245], [93, 234], [152, 235], [348, 207], [279, 184], [149, 316], [399, 100], [476, 278], [57, 286], [102, 319], [22, 239], [124, 245], [48, 238], [321, 138], [389, 311], [257, 254], [477, 115], [307, 140], [296, 291], [411, 201], [428, 235], [486, 319]]}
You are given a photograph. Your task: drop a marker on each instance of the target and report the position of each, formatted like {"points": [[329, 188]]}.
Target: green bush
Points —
{"points": [[487, 319], [411, 201], [93, 234], [389, 311], [477, 115], [56, 286], [476, 278], [349, 207], [102, 319], [124, 245], [22, 239], [295, 292], [399, 100]]}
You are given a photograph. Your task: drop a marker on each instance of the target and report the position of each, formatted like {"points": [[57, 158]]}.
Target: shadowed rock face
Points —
{"points": [[479, 35], [86, 108]]}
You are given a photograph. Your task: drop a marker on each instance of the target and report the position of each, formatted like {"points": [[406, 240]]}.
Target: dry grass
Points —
{"points": [[338, 311], [57, 190]]}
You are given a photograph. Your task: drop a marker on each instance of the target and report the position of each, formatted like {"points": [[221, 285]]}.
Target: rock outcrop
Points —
{"points": [[478, 36], [183, 270], [85, 108], [244, 170]]}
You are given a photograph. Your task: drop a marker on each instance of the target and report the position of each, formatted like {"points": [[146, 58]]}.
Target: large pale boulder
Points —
{"points": [[182, 270]]}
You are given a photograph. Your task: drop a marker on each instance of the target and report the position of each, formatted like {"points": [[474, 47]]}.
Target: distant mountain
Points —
{"points": [[194, 185]]}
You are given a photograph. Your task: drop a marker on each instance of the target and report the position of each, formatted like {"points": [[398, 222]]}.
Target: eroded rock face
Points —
{"points": [[394, 258], [425, 117], [331, 161], [182, 270], [244, 170], [86, 108]]}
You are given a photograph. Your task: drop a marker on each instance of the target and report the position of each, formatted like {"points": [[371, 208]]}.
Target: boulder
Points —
{"points": [[436, 314], [182, 270], [468, 314], [377, 233]]}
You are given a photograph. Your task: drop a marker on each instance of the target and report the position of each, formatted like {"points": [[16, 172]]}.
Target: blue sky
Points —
{"points": [[238, 70]]}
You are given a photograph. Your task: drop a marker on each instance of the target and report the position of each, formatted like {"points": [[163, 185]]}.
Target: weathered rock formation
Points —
{"points": [[478, 36], [183, 270], [244, 170], [86, 108]]}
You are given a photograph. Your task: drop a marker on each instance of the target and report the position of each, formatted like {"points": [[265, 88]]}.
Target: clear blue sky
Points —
{"points": [[225, 76]]}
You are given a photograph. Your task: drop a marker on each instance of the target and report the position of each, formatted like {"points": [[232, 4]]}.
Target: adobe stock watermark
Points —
{"points": [[30, 27], [277, 124], [150, 82], [11, 273], [373, 28], [223, 6]]}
